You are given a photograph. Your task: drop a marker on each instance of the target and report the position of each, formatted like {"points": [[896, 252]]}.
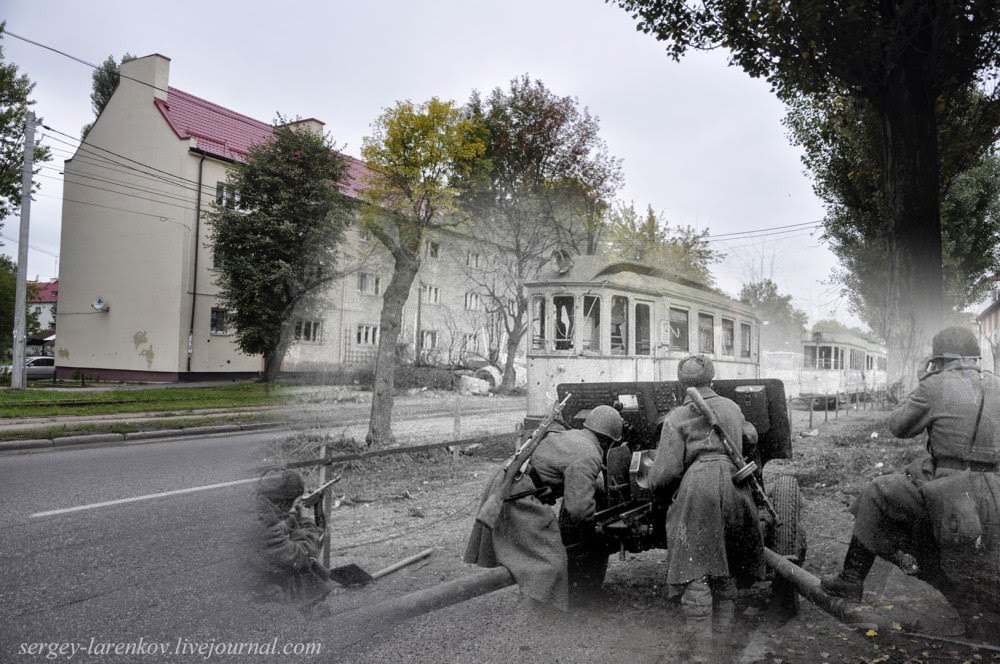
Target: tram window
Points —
{"points": [[564, 310], [538, 322], [619, 325], [809, 361], [746, 337], [706, 333], [728, 337], [642, 323], [590, 335], [824, 357], [679, 330]]}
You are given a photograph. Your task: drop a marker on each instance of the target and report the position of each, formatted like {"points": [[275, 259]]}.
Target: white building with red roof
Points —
{"points": [[138, 300], [42, 298]]}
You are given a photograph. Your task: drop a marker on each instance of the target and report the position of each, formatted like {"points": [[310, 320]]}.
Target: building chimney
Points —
{"points": [[151, 72], [312, 124]]}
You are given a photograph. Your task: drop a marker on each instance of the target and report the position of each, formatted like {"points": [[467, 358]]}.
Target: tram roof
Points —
{"points": [[627, 275], [841, 338]]}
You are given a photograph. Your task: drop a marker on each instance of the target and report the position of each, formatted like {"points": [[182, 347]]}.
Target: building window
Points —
{"points": [[679, 330], [308, 330], [217, 322], [432, 294], [470, 342], [538, 322], [642, 330], [369, 283], [368, 335], [428, 339], [433, 249], [472, 259], [227, 196], [472, 301], [745, 340], [728, 337], [38, 311], [565, 306], [619, 325]]}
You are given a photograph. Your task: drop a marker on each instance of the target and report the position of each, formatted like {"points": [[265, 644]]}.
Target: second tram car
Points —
{"points": [[841, 365], [593, 321]]}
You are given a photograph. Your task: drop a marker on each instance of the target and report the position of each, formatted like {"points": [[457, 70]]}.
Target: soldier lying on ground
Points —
{"points": [[289, 541], [527, 539], [959, 407], [714, 541]]}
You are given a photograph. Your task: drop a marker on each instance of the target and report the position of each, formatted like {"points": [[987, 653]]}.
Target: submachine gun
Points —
{"points": [[314, 499]]}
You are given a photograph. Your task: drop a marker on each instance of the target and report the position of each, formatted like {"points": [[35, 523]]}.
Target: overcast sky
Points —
{"points": [[700, 141]]}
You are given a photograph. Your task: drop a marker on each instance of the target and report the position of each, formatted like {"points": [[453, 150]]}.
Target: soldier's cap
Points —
{"points": [[696, 370], [280, 485]]}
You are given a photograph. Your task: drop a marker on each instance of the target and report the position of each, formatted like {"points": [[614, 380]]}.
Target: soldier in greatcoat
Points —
{"points": [[714, 540], [528, 539], [958, 405], [289, 542]]}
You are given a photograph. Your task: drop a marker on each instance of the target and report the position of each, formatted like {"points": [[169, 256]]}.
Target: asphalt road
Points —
{"points": [[80, 568]]}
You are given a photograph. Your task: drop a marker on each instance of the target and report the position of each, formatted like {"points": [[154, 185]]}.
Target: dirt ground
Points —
{"points": [[392, 507]]}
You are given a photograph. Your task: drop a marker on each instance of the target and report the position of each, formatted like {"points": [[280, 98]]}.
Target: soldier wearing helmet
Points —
{"points": [[958, 406], [713, 539], [566, 464], [289, 541]]}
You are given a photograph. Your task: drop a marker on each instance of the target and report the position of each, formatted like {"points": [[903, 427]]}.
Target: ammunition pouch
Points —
{"points": [[952, 510]]}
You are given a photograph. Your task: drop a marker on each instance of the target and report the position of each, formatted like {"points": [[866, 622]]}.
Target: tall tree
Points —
{"points": [[8, 284], [15, 101], [275, 233], [416, 154], [843, 146], [784, 324], [104, 83], [904, 58], [545, 182], [649, 239]]}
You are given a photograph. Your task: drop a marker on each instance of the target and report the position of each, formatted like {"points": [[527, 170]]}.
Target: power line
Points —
{"points": [[117, 183], [122, 193], [799, 226], [759, 235], [30, 246], [111, 207], [256, 124]]}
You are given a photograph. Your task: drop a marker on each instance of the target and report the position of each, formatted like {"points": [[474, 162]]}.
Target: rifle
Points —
{"points": [[746, 470], [489, 512]]}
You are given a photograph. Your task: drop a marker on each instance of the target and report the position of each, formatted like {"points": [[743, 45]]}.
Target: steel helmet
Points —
{"points": [[955, 342], [605, 421], [280, 485], [695, 370]]}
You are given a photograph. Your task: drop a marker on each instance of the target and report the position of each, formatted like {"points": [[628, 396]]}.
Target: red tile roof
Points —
{"points": [[47, 292], [230, 135]]}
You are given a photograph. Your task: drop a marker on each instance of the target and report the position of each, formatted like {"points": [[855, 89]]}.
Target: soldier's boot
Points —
{"points": [[850, 582], [696, 606]]}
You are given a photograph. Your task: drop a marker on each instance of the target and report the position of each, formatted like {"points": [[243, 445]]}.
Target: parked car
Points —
{"points": [[35, 367]]}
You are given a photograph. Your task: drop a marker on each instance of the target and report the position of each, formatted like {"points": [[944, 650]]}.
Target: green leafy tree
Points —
{"points": [[784, 324], [905, 59], [105, 81], [417, 154], [544, 182], [649, 239], [275, 237], [15, 102], [8, 284], [843, 146]]}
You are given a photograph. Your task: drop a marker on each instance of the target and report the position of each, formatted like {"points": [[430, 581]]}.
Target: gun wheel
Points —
{"points": [[786, 539]]}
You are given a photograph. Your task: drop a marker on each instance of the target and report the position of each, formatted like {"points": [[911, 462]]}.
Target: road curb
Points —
{"points": [[155, 434]]}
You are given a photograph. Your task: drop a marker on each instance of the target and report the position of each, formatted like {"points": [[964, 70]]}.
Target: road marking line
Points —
{"points": [[150, 496]]}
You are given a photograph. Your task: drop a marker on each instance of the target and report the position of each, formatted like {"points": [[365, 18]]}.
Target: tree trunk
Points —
{"points": [[514, 337], [912, 185], [273, 360], [390, 325]]}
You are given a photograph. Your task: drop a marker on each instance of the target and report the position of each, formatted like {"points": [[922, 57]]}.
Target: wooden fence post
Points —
{"points": [[327, 507]]}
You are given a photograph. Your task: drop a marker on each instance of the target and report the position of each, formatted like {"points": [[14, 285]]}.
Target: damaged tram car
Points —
{"points": [[613, 334]]}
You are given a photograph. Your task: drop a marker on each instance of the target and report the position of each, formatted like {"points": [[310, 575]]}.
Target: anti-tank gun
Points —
{"points": [[631, 518]]}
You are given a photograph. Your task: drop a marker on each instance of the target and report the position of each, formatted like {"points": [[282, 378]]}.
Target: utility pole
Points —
{"points": [[17, 376]]}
